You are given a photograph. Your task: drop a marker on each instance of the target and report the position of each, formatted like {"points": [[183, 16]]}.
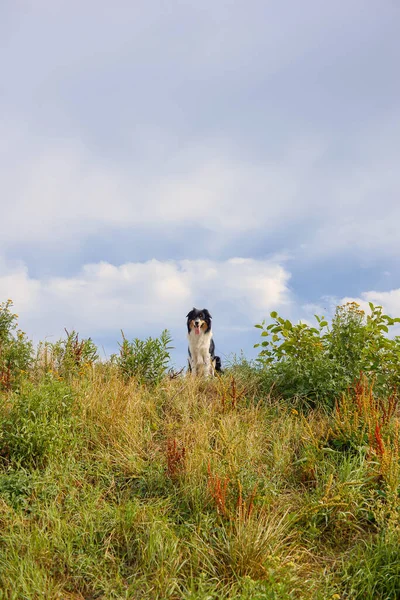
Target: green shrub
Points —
{"points": [[37, 424], [319, 363], [146, 360], [68, 357], [15, 349], [16, 487]]}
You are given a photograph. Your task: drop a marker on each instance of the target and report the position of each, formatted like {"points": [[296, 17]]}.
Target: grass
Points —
{"points": [[194, 489]]}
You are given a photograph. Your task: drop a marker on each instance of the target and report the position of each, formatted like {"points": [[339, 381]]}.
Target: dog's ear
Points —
{"points": [[207, 313], [190, 312]]}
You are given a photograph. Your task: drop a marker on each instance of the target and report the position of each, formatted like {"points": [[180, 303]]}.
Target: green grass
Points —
{"points": [[193, 489]]}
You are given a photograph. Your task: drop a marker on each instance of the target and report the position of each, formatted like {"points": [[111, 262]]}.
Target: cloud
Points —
{"points": [[60, 192], [239, 121], [15, 284], [143, 298], [202, 38], [361, 209], [203, 131], [389, 300]]}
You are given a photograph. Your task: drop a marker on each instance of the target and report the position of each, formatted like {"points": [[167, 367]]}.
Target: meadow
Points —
{"points": [[277, 480]]}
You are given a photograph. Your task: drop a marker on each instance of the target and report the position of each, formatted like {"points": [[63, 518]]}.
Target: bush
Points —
{"points": [[146, 360], [320, 363], [16, 487], [15, 349], [68, 357]]}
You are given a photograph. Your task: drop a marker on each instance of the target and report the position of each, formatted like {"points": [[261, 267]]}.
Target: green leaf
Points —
{"points": [[274, 314]]}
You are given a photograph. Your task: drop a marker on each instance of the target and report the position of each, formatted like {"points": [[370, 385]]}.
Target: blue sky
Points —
{"points": [[240, 156]]}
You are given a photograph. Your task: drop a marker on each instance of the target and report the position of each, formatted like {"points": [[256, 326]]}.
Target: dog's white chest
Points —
{"points": [[199, 347]]}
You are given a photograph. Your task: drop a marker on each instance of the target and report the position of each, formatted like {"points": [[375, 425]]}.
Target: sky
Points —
{"points": [[236, 156]]}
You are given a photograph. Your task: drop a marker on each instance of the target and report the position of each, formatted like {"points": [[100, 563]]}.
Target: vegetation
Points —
{"points": [[15, 349], [319, 363], [146, 360], [123, 481]]}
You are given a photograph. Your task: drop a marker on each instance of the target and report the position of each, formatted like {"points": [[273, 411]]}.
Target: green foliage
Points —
{"points": [[15, 349], [16, 487], [88, 507], [37, 424], [205, 488], [373, 570], [319, 363], [146, 360], [68, 357]]}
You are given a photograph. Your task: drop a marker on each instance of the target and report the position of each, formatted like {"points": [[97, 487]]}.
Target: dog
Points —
{"points": [[202, 359]]}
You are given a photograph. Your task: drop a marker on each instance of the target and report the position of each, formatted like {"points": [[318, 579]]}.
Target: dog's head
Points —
{"points": [[198, 321]]}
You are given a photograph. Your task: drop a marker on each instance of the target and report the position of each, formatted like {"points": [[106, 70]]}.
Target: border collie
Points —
{"points": [[202, 359]]}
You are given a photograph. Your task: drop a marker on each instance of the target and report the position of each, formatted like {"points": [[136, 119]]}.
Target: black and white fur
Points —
{"points": [[202, 359]]}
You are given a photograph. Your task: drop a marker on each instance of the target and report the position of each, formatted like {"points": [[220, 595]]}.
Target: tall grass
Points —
{"points": [[111, 487]]}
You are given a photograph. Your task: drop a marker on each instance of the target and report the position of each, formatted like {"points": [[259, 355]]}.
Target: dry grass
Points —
{"points": [[192, 490]]}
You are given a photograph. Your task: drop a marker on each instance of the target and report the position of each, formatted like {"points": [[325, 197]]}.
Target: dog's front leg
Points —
{"points": [[207, 366]]}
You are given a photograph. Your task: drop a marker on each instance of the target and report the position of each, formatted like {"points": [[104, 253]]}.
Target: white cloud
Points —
{"points": [[15, 284], [143, 298], [274, 81], [358, 206], [60, 192], [244, 122], [390, 301], [207, 37]]}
